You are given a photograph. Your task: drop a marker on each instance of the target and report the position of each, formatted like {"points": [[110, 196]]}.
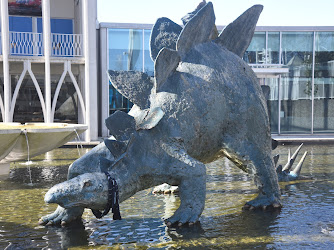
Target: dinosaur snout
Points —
{"points": [[90, 189], [57, 193]]}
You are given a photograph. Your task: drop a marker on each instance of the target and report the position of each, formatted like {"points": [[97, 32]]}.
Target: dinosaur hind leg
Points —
{"points": [[259, 163]]}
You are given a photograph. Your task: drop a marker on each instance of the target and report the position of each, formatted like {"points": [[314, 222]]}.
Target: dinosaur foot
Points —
{"points": [[62, 216], [165, 189], [185, 216], [179, 224], [263, 202]]}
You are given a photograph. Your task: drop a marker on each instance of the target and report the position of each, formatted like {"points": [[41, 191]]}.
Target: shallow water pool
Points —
{"points": [[305, 222]]}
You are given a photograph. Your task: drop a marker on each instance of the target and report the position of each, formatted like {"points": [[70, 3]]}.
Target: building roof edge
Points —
{"points": [[221, 27]]}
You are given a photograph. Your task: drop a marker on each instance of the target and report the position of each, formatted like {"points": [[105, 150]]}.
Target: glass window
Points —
{"points": [[255, 54], [39, 25], [28, 107], [149, 64], [20, 24], [67, 101], [296, 87], [273, 48], [324, 82], [125, 50], [271, 95], [61, 26]]}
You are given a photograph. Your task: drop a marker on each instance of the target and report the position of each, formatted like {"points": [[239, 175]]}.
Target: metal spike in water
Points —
{"points": [[298, 168], [29, 162], [78, 142], [291, 159]]}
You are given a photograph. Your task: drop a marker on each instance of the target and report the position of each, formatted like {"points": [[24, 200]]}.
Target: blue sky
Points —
{"points": [[275, 13]]}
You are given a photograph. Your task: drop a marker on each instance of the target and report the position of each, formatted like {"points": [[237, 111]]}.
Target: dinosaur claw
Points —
{"points": [[49, 223], [246, 207], [42, 222], [277, 206]]}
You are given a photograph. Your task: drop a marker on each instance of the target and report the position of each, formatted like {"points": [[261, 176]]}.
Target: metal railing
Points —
{"points": [[66, 45], [266, 65], [26, 43], [31, 44]]}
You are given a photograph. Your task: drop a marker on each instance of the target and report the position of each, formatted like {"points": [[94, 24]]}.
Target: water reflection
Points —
{"points": [[306, 220]]}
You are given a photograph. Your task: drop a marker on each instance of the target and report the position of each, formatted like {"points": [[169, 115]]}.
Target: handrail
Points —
{"points": [[266, 65], [66, 44], [31, 44], [26, 43]]}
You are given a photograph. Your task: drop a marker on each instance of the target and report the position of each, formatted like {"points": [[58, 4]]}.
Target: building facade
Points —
{"points": [[54, 58], [297, 63], [48, 62]]}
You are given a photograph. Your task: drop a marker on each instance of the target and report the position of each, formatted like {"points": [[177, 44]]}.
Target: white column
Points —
{"points": [[34, 24], [89, 33], [5, 56], [104, 80], [35, 36], [47, 54]]}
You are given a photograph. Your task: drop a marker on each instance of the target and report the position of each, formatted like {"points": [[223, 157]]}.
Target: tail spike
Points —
{"points": [[298, 168], [291, 159]]}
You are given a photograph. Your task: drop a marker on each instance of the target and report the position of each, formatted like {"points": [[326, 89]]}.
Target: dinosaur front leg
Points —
{"points": [[62, 216], [191, 176], [192, 196]]}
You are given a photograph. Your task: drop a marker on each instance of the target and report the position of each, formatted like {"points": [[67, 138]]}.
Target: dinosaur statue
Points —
{"points": [[203, 103]]}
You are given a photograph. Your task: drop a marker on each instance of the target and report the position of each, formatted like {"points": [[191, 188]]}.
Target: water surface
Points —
{"points": [[305, 222]]}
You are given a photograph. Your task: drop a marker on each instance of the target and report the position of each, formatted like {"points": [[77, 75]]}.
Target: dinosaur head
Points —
{"points": [[87, 190]]}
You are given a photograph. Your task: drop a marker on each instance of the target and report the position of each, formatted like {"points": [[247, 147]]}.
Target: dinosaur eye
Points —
{"points": [[87, 183]]}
